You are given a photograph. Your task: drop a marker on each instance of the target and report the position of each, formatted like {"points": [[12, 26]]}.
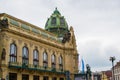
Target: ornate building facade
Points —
{"points": [[28, 52], [106, 75], [117, 71]]}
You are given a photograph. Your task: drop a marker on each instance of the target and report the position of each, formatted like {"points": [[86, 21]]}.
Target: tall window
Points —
{"points": [[62, 21], [25, 55], [13, 53], [35, 57], [53, 60], [45, 59], [60, 63]]}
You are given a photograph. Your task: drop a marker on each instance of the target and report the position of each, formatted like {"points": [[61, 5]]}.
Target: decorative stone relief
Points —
{"points": [[36, 47], [13, 41], [19, 41], [25, 44], [3, 35], [31, 44], [7, 38], [4, 23], [49, 50]]}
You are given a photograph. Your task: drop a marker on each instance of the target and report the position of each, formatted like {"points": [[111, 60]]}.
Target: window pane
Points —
{"points": [[53, 59], [13, 49], [25, 55], [25, 52], [35, 54], [13, 53], [35, 57], [45, 56], [60, 60]]}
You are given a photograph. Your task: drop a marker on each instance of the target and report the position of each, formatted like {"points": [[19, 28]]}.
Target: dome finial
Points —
{"points": [[56, 8], [56, 11]]}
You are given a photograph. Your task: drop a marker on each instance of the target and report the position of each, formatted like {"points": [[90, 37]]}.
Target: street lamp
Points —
{"points": [[112, 59]]}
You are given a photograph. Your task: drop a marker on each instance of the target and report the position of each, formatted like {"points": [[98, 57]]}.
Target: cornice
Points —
{"points": [[39, 37], [51, 43]]}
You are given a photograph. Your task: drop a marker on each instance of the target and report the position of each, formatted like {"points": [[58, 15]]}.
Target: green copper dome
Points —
{"points": [[57, 24]]}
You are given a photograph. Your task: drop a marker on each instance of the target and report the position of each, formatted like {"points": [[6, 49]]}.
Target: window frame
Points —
{"points": [[25, 55], [45, 59], [53, 61], [61, 63], [35, 57], [13, 52]]}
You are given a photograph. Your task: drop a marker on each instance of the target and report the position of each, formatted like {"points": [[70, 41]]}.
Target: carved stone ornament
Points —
{"points": [[20, 41], [4, 23], [66, 37], [3, 54]]}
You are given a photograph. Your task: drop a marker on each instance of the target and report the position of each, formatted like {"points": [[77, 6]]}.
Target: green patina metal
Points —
{"points": [[44, 34], [26, 27], [52, 37], [32, 67], [57, 24], [13, 22], [35, 31]]}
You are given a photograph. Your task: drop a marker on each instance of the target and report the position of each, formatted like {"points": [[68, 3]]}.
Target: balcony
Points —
{"points": [[30, 67]]}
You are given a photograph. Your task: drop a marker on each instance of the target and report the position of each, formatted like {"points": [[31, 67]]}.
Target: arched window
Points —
{"points": [[13, 53], [60, 63], [35, 57], [25, 55], [62, 21], [53, 58], [53, 61], [45, 59]]}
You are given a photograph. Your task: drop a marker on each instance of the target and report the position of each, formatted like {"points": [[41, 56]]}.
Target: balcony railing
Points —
{"points": [[17, 65]]}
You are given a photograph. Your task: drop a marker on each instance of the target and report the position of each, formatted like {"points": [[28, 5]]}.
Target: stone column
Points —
{"points": [[41, 78], [31, 48], [19, 51], [50, 78], [30, 77], [40, 56], [49, 58], [19, 76]]}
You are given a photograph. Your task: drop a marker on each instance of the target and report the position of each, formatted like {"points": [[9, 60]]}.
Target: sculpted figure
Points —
{"points": [[3, 54]]}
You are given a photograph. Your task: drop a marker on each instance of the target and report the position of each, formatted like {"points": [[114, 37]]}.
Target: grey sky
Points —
{"points": [[96, 24]]}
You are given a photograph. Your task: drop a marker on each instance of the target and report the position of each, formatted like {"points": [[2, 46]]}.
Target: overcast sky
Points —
{"points": [[96, 24]]}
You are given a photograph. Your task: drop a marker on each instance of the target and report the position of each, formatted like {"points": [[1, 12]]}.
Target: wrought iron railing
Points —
{"points": [[17, 65]]}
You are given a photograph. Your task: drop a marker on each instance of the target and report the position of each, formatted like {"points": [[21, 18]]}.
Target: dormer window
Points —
{"points": [[53, 21], [62, 21]]}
